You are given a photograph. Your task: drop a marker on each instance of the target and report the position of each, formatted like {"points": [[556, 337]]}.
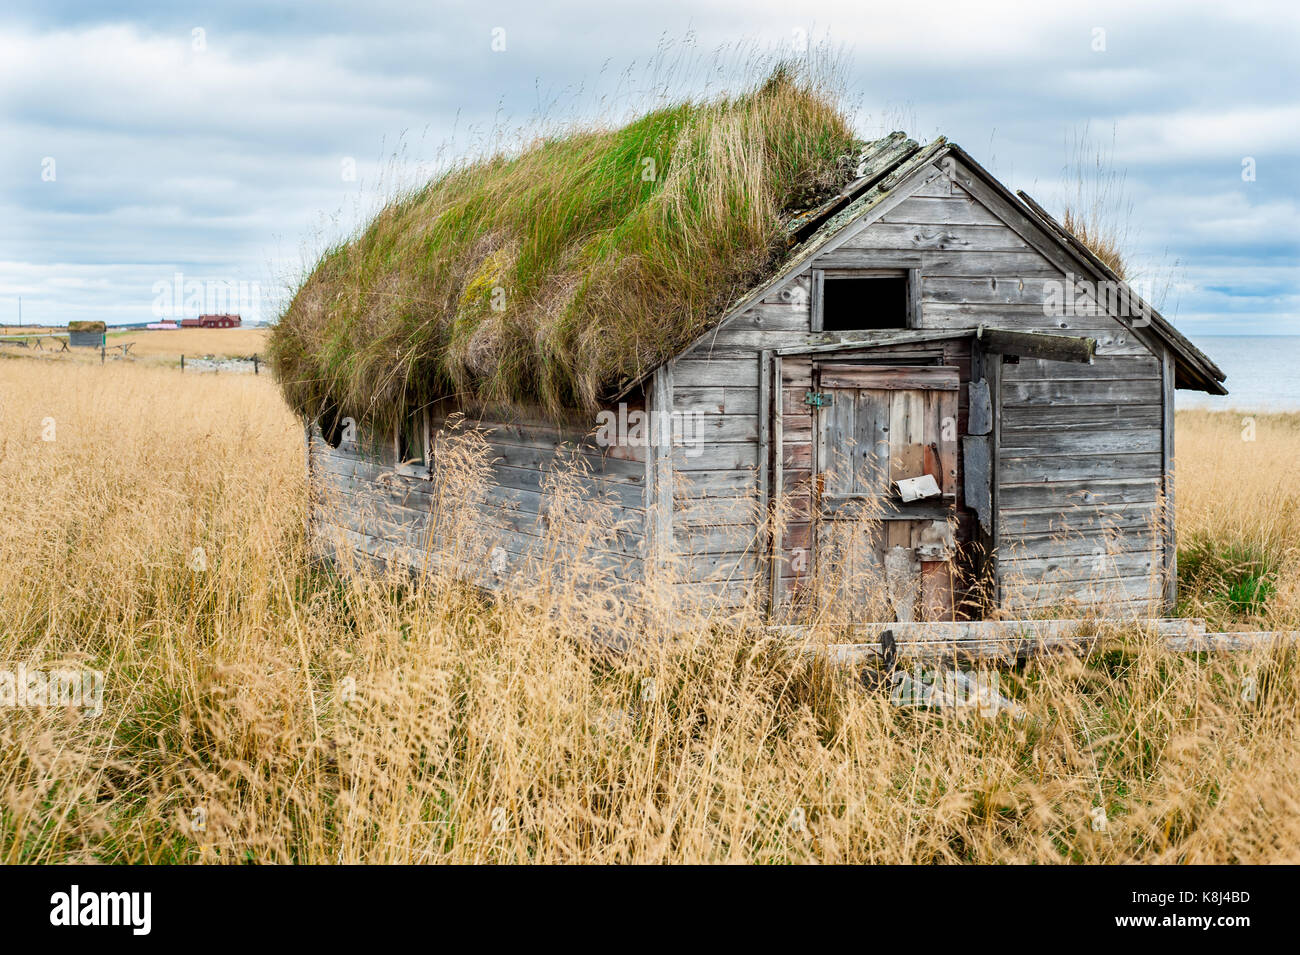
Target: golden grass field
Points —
{"points": [[149, 346], [259, 708]]}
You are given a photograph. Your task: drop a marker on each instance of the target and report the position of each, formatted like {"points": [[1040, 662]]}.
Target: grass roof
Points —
{"points": [[552, 276]]}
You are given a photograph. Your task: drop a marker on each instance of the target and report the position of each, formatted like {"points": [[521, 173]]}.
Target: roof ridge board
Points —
{"points": [[1194, 354], [887, 158], [882, 186]]}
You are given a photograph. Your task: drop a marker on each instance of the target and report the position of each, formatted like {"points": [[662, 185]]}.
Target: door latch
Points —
{"points": [[818, 399]]}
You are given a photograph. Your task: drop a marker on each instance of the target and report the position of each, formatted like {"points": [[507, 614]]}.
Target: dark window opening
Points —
{"points": [[331, 425], [864, 303], [410, 440]]}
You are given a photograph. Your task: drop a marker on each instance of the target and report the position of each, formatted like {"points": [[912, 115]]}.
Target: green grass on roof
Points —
{"points": [[550, 277]]}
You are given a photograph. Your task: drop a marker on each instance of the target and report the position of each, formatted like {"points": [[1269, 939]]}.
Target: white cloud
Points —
{"points": [[227, 162]]}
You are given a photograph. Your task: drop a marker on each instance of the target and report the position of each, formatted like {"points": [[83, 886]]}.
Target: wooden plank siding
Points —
{"points": [[1081, 445], [520, 513]]}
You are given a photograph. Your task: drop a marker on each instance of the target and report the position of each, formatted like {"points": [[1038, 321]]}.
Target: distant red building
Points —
{"points": [[211, 321]]}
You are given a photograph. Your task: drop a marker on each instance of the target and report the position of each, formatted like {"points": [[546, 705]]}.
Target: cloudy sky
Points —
{"points": [[229, 143]]}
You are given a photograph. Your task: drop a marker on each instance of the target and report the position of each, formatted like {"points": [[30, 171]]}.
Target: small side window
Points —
{"points": [[412, 442]]}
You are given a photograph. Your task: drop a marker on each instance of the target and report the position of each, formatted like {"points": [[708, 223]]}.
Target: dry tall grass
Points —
{"points": [[258, 708], [156, 347], [194, 342]]}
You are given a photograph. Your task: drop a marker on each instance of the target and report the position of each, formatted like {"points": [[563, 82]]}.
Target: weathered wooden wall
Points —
{"points": [[1080, 456], [551, 494]]}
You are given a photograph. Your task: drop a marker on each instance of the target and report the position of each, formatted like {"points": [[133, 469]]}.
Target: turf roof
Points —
{"points": [[553, 276]]}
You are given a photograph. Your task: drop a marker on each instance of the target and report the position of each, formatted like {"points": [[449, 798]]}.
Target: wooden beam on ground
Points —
{"points": [[1246, 640], [1011, 640]]}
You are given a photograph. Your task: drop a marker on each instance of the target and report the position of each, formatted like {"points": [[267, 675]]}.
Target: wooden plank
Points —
{"points": [[920, 210], [793, 291], [1105, 565], [817, 306], [1058, 468], [1232, 641], [872, 437], [659, 507], [718, 539], [778, 316], [603, 468], [978, 483], [722, 400], [850, 259], [1078, 542], [980, 415], [889, 377], [1045, 441], [694, 373], [864, 344], [1007, 641], [1120, 366], [716, 457], [766, 389], [705, 567], [776, 594], [1095, 521], [1084, 392], [989, 290], [745, 345], [943, 237], [941, 418], [984, 262], [915, 298], [1170, 534], [723, 483], [1021, 593], [1041, 345], [991, 365], [1104, 417], [692, 512], [529, 479]]}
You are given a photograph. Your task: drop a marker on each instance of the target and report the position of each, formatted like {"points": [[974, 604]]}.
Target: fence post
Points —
{"points": [[255, 364], [102, 350], [182, 362]]}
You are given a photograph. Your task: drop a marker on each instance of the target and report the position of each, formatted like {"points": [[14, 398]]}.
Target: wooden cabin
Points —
{"points": [[933, 352], [86, 334]]}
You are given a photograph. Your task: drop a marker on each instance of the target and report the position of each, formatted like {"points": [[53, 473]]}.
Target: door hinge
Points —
{"points": [[818, 399]]}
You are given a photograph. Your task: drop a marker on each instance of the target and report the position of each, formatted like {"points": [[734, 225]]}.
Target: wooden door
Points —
{"points": [[876, 556]]}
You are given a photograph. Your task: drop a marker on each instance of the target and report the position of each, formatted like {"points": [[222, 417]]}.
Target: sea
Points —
{"points": [[1263, 373]]}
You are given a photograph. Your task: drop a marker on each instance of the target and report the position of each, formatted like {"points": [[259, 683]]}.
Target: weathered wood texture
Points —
{"points": [[1080, 457], [795, 555], [553, 495]]}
